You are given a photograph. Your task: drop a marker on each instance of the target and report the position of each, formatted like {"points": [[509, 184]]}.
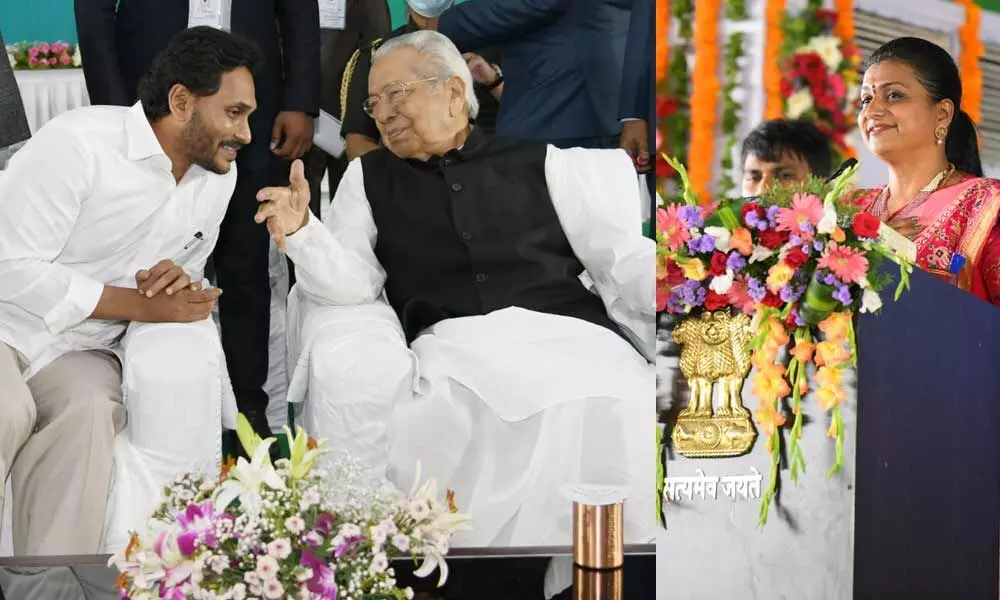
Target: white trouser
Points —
{"points": [[175, 386], [503, 452]]}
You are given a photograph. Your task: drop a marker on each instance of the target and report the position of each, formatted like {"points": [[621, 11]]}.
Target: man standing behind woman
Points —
{"points": [[121, 38], [911, 117]]}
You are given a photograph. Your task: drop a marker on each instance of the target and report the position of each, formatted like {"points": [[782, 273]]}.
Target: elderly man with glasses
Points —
{"points": [[479, 306]]}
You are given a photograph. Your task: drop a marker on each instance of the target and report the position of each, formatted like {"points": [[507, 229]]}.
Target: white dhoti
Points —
{"points": [[176, 393], [504, 409]]}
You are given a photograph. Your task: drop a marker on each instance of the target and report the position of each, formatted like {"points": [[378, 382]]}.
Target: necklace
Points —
{"points": [[880, 206]]}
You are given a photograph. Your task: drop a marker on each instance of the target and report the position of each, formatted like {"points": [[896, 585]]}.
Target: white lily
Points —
{"points": [[829, 221], [302, 458], [433, 560], [760, 253], [246, 478], [722, 238], [722, 283], [870, 301]]}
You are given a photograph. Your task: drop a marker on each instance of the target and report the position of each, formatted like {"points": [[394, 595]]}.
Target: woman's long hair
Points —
{"points": [[936, 71]]}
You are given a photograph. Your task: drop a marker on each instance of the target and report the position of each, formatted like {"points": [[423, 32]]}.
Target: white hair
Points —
{"points": [[441, 59]]}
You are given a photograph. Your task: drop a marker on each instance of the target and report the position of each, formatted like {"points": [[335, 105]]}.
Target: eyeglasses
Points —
{"points": [[394, 93]]}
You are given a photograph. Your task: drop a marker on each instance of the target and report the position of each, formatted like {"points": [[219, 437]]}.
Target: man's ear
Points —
{"points": [[181, 102]]}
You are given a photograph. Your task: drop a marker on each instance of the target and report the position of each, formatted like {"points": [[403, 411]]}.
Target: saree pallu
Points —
{"points": [[958, 219]]}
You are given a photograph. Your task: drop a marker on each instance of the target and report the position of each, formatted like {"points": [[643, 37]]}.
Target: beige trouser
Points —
{"points": [[57, 435]]}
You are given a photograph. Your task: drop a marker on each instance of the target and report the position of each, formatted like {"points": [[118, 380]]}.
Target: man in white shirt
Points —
{"points": [[444, 316], [102, 202]]}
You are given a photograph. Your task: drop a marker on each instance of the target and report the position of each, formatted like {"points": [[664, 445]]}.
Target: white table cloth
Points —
{"points": [[45, 94]]}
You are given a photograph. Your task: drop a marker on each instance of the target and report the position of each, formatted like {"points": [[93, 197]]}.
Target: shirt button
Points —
{"points": [[480, 277], [447, 162], [456, 187], [466, 236]]}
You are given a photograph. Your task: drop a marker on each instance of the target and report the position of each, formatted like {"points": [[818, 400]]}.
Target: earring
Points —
{"points": [[940, 135]]}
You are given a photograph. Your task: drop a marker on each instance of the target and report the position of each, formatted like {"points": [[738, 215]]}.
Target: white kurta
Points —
{"points": [[88, 202], [503, 408]]}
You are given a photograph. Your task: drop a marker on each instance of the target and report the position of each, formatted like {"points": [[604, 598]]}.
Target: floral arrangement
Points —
{"points": [[284, 531], [672, 85], [44, 55], [819, 74], [802, 261]]}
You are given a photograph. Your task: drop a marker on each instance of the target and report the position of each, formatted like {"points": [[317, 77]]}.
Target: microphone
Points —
{"points": [[847, 164]]}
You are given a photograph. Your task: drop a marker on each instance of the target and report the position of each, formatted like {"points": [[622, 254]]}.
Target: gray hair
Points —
{"points": [[441, 59]]}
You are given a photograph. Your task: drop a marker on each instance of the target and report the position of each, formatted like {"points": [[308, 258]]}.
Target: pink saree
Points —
{"points": [[962, 219]]}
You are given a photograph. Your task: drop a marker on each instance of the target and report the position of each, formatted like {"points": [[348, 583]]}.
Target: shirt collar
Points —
{"points": [[474, 144], [139, 135]]}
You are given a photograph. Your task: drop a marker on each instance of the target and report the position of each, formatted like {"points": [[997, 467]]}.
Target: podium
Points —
{"points": [[927, 503]]}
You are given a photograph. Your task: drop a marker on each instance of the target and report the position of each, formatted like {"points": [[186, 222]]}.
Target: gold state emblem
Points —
{"points": [[714, 351]]}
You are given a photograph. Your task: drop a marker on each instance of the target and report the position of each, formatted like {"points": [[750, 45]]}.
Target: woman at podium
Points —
{"points": [[911, 117]]}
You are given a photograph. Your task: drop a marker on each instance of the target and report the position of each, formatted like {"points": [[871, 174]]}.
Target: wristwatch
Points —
{"points": [[499, 80]]}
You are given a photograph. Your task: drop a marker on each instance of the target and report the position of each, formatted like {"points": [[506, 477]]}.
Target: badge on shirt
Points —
{"points": [[332, 14], [210, 13]]}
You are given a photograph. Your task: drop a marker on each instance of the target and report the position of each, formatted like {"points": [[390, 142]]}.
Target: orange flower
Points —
{"points": [[778, 276], [828, 376], [452, 507], [741, 241], [311, 443], [662, 49], [705, 91], [122, 582], [836, 326], [838, 235], [769, 386], [768, 419], [803, 351], [226, 467], [774, 12], [830, 353], [777, 331], [133, 543], [829, 396]]}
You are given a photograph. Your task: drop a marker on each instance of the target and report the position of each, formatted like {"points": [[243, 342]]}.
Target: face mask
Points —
{"points": [[429, 8]]}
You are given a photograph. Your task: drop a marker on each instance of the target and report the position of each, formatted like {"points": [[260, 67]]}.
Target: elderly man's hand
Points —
{"points": [[294, 132], [285, 209], [483, 72], [635, 141]]}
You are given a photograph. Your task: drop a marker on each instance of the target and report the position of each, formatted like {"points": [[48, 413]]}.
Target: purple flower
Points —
{"points": [[755, 289], [348, 545], [818, 245], [688, 294], [736, 262], [704, 244], [791, 293], [691, 215], [772, 213], [762, 225], [324, 523], [199, 524], [794, 240], [805, 227], [322, 585], [799, 321], [829, 279], [843, 295], [752, 219]]}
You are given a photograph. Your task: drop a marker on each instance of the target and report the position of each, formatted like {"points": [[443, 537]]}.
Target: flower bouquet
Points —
{"points": [[284, 531], [44, 55], [801, 261], [820, 75]]}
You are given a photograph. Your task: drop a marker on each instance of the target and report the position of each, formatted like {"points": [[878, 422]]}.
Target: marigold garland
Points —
{"points": [[773, 39], [968, 60], [844, 27], [704, 95], [662, 34]]}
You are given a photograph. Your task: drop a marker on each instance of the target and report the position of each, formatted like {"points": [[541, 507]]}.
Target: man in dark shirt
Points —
{"points": [[365, 22], [358, 129], [469, 304]]}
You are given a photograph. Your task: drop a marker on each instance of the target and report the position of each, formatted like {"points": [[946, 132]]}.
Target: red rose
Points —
{"points": [[772, 300], [715, 301], [718, 264], [675, 275], [748, 208], [666, 106], [827, 16], [785, 87], [812, 67], [790, 320], [796, 258], [865, 225], [773, 239], [663, 168]]}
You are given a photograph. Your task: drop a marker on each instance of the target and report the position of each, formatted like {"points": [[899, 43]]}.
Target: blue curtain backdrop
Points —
{"points": [[52, 20]]}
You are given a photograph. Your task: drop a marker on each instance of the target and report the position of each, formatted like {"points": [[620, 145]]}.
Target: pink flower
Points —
{"points": [[671, 228], [837, 87], [65, 59], [33, 52], [801, 219], [33, 61], [659, 139], [43, 47], [53, 60], [846, 263], [739, 297]]}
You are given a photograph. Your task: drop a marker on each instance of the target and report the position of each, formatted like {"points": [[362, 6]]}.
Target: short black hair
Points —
{"points": [[196, 58], [771, 140]]}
